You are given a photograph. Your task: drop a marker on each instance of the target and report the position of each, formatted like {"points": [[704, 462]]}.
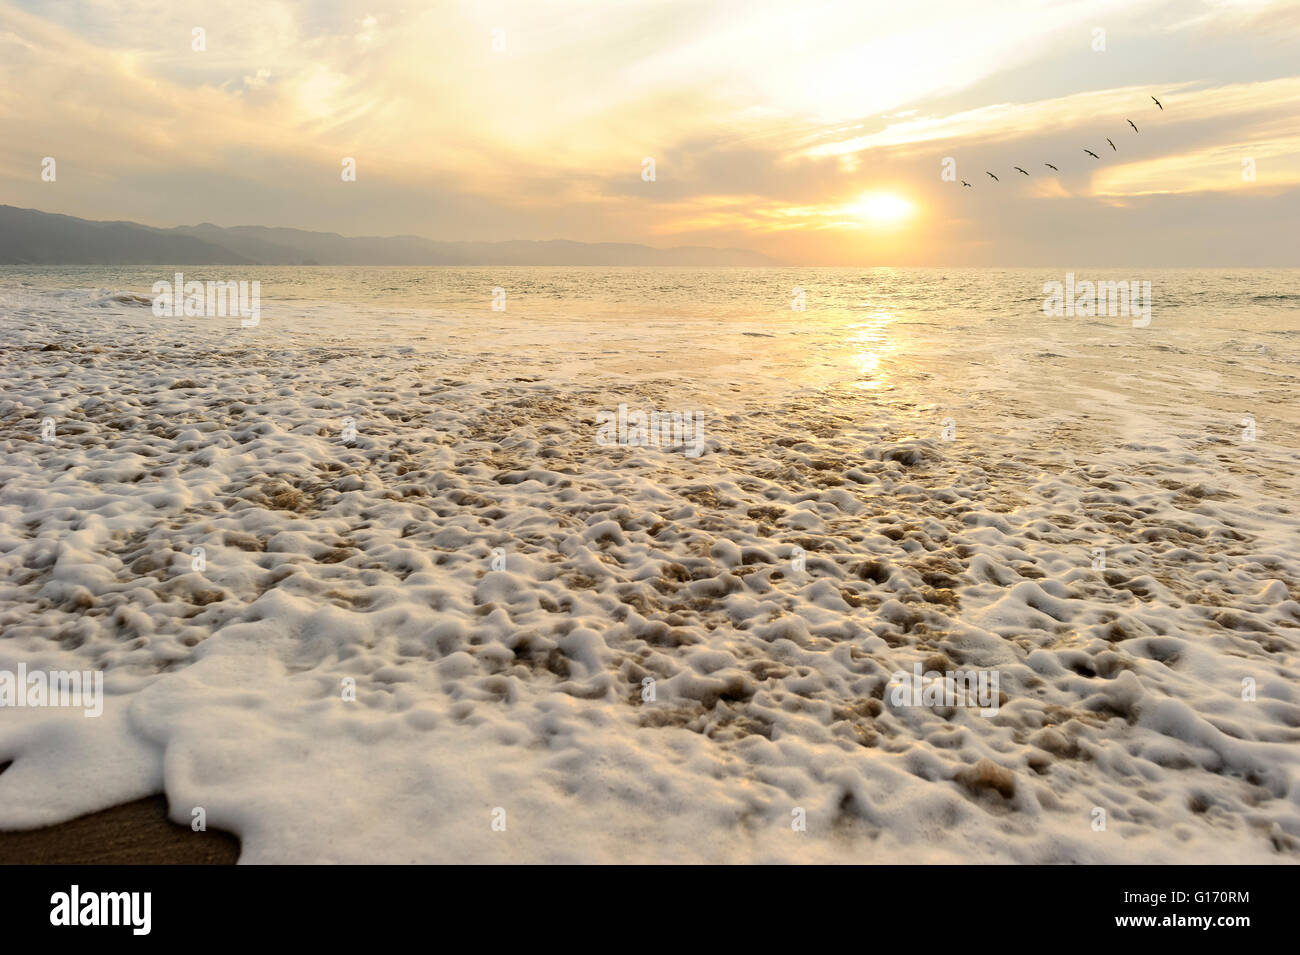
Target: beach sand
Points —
{"points": [[137, 833]]}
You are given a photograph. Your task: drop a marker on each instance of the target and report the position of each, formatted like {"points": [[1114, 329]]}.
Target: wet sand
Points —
{"points": [[136, 833]]}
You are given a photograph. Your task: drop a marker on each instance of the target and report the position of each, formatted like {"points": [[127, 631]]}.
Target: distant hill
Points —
{"points": [[30, 237]]}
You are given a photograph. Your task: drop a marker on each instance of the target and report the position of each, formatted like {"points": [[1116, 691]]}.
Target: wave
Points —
{"points": [[120, 298]]}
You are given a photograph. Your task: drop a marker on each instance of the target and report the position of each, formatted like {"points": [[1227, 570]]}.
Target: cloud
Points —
{"points": [[515, 119]]}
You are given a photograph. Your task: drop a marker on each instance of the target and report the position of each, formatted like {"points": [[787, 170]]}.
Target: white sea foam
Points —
{"points": [[623, 653]]}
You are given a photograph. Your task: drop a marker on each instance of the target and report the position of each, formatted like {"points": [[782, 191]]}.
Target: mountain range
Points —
{"points": [[31, 237]]}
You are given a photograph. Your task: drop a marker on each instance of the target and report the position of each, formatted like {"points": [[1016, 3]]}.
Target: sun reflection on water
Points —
{"points": [[873, 349]]}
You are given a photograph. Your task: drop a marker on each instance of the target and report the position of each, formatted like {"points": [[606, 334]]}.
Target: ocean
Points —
{"points": [[564, 564]]}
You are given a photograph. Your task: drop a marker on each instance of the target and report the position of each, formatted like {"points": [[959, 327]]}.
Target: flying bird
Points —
{"points": [[965, 183], [1092, 154], [1051, 167], [1112, 145], [1135, 129], [991, 176], [1018, 169], [1157, 102]]}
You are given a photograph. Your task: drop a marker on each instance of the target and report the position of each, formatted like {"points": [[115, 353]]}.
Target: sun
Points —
{"points": [[883, 208]]}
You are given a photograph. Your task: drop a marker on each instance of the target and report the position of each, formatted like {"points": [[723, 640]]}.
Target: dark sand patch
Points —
{"points": [[134, 833]]}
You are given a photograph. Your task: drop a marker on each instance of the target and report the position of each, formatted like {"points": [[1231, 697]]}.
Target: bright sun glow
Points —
{"points": [[882, 208]]}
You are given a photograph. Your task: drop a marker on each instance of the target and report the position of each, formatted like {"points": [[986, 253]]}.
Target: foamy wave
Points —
{"points": [[497, 589], [106, 298]]}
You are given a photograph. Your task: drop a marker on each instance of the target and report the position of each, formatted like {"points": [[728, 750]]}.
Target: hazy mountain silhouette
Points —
{"points": [[31, 237]]}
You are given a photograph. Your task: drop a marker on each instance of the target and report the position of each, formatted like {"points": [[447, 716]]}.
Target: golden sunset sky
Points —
{"points": [[812, 132]]}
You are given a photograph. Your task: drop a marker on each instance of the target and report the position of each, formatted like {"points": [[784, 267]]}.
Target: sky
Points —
{"points": [[818, 133]]}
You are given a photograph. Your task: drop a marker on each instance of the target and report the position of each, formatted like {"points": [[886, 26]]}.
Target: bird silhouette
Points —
{"points": [[1157, 102], [1092, 154], [1112, 145], [1050, 166], [991, 176], [965, 183], [1135, 129], [1018, 169]]}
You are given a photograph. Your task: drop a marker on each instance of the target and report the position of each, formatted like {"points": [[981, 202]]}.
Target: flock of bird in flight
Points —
{"points": [[1086, 150]]}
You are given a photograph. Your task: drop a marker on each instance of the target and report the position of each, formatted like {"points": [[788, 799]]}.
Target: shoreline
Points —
{"points": [[370, 588]]}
